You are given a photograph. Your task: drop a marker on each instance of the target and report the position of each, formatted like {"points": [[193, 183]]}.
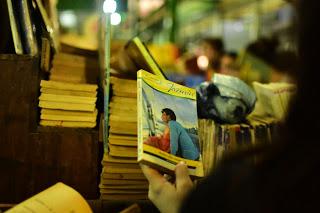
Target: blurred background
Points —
{"points": [[190, 37]]}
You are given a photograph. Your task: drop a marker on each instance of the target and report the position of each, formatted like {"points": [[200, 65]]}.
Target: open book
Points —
{"points": [[57, 198], [167, 125]]}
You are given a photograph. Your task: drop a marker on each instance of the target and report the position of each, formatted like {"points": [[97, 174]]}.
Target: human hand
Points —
{"points": [[167, 196]]}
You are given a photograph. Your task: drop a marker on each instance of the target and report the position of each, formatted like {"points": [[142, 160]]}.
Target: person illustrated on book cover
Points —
{"points": [[175, 139]]}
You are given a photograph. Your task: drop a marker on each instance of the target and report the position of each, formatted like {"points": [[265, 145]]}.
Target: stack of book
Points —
{"points": [[122, 178], [218, 140], [66, 104], [74, 68]]}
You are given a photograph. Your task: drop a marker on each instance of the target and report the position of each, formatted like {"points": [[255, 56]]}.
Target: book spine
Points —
{"points": [[139, 118]]}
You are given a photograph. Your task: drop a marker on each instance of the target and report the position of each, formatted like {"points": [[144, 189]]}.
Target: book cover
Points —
{"points": [[141, 57], [167, 125], [273, 99]]}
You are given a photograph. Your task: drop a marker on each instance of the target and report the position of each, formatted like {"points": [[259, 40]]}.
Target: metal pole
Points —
{"points": [[107, 79]]}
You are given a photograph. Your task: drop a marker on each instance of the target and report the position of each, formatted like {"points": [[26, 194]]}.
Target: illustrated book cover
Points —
{"points": [[167, 125]]}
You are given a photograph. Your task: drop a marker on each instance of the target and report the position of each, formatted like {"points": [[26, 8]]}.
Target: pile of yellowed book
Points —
{"points": [[74, 68], [65, 104], [122, 178]]}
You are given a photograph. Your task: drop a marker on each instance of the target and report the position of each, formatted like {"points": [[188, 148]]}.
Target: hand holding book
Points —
{"points": [[168, 196]]}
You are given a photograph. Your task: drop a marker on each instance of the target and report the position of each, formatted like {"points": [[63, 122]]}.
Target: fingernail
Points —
{"points": [[182, 163]]}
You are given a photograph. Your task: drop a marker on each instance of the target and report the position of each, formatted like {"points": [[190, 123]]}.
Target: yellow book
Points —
{"points": [[73, 124], [120, 106], [122, 151], [125, 94], [274, 98], [114, 169], [68, 86], [66, 115], [123, 137], [123, 182], [57, 198], [123, 142], [110, 159], [125, 187], [69, 113], [127, 128], [139, 53], [122, 197], [63, 59], [167, 125], [123, 191], [68, 99], [67, 106], [124, 100], [45, 54], [123, 176], [68, 92], [123, 118], [123, 82]]}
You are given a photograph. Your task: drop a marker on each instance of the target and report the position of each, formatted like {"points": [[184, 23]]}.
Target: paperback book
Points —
{"points": [[167, 125]]}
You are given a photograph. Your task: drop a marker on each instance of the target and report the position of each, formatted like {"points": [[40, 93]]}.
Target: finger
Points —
{"points": [[183, 180], [152, 175]]}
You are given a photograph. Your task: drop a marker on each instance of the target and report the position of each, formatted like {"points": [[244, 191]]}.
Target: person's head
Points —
{"points": [[285, 66], [213, 49], [228, 62], [167, 115], [264, 49]]}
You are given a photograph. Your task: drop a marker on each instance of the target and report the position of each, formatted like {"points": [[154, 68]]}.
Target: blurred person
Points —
{"points": [[195, 74], [284, 65], [286, 177], [228, 64], [211, 49]]}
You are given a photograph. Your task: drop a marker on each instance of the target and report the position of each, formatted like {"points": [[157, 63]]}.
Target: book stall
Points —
{"points": [[80, 114]]}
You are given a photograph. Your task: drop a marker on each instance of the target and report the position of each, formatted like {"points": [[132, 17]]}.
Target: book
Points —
{"points": [[66, 106], [142, 58], [68, 98], [71, 124], [57, 198], [45, 54], [68, 92], [273, 99], [134, 208], [122, 151], [64, 115], [167, 125], [106, 174], [68, 86]]}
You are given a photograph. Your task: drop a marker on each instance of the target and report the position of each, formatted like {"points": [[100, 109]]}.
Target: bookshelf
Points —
{"points": [[32, 157]]}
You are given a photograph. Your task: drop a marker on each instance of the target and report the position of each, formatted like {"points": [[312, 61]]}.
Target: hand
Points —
{"points": [[167, 196]]}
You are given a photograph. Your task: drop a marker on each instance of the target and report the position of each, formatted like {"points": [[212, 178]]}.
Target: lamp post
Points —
{"points": [[109, 7]]}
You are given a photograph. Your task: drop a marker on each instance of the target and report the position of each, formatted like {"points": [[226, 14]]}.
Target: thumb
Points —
{"points": [[183, 181]]}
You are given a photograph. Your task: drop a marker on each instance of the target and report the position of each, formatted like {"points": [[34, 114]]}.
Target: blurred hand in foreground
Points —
{"points": [[167, 196]]}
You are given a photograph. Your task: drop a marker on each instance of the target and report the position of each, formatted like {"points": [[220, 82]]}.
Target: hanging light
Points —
{"points": [[109, 6], [115, 18]]}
